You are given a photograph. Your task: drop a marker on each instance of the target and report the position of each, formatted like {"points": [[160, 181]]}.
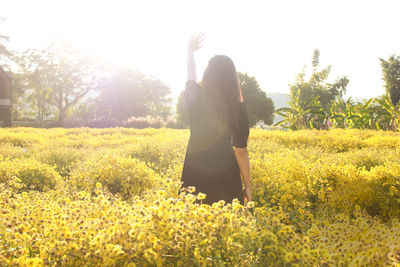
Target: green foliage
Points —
{"points": [[130, 93], [391, 76], [374, 113], [259, 106], [51, 85], [388, 114], [181, 110], [300, 114], [53, 80], [317, 85], [317, 104]]}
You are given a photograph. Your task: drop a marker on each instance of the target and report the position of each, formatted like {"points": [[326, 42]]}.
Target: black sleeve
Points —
{"points": [[241, 135]]}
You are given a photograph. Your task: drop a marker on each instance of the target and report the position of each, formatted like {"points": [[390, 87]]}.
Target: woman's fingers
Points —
{"points": [[196, 42], [199, 37]]}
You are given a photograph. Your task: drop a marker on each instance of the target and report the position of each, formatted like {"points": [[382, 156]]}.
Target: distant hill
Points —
{"points": [[280, 100]]}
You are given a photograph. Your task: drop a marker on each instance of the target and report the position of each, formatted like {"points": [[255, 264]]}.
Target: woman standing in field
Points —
{"points": [[218, 121]]}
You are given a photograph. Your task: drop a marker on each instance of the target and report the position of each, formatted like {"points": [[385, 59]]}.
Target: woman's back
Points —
{"points": [[210, 164], [218, 121]]}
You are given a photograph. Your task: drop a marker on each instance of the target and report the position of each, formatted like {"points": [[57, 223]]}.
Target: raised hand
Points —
{"points": [[196, 41]]}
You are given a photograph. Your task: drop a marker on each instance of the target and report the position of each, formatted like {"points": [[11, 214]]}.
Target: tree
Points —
{"points": [[130, 93], [317, 84], [181, 110], [57, 78], [301, 113], [388, 114], [20, 107], [259, 106], [311, 100], [34, 77], [156, 100], [391, 77]]}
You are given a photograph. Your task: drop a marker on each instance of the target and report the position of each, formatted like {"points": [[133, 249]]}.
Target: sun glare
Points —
{"points": [[270, 40]]}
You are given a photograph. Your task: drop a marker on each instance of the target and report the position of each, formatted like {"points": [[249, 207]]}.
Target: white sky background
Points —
{"points": [[271, 40]]}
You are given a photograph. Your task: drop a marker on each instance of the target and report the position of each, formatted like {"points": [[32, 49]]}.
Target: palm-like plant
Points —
{"points": [[343, 113], [365, 114], [298, 115], [388, 115]]}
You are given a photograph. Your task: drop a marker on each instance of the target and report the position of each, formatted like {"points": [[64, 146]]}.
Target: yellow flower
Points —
{"points": [[131, 233], [201, 196], [191, 189], [197, 253], [251, 204], [98, 185], [204, 241]]}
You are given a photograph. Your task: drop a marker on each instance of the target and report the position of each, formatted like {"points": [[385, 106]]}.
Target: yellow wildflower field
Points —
{"points": [[109, 197]]}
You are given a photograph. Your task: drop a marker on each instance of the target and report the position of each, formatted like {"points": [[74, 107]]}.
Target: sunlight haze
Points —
{"points": [[271, 40]]}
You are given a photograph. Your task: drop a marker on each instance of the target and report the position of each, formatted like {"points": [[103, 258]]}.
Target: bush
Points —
{"points": [[74, 123], [63, 158], [104, 123], [152, 122], [29, 174], [137, 122], [144, 122], [20, 139], [123, 176]]}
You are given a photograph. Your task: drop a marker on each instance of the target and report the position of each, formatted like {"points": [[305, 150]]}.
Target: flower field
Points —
{"points": [[109, 197]]}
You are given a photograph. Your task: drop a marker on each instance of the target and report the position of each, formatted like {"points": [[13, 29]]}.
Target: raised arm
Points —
{"points": [[195, 44]]}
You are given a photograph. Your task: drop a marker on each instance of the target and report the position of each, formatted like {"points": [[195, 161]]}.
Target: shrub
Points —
{"points": [[20, 139], [104, 123], [74, 123], [144, 122], [156, 122], [63, 158], [31, 173], [137, 122], [123, 176]]}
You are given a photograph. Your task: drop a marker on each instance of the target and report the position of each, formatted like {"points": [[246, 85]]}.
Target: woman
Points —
{"points": [[218, 121]]}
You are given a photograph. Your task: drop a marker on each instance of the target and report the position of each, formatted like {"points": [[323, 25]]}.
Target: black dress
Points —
{"points": [[210, 163]]}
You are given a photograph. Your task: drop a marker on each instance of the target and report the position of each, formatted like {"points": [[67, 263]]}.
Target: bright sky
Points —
{"points": [[271, 40]]}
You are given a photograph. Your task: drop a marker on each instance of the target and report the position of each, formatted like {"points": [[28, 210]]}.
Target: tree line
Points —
{"points": [[61, 86], [317, 104], [60, 83]]}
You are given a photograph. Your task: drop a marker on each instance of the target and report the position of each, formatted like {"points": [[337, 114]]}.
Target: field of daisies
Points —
{"points": [[109, 197]]}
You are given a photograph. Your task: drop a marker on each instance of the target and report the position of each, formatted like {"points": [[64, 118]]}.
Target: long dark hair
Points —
{"points": [[222, 94]]}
